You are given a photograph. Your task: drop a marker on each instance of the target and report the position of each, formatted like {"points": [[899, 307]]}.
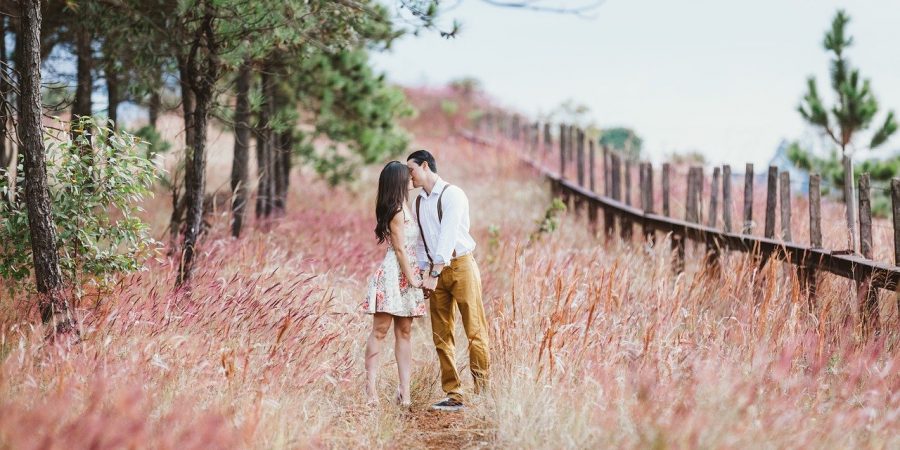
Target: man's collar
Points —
{"points": [[438, 185]]}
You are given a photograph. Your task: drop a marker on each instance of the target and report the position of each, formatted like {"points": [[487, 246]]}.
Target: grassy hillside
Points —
{"points": [[594, 344]]}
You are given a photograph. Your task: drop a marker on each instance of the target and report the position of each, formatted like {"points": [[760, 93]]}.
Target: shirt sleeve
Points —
{"points": [[454, 205], [421, 257]]}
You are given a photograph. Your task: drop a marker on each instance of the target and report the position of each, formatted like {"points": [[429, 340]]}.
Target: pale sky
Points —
{"points": [[720, 76]]}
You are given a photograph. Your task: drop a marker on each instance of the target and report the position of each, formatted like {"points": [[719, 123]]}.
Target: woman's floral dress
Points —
{"points": [[389, 290]]}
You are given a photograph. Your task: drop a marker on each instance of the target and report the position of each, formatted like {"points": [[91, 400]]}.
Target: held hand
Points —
{"points": [[429, 283]]}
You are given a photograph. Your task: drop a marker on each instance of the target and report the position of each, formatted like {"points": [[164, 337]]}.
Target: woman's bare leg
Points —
{"points": [[381, 322], [403, 351]]}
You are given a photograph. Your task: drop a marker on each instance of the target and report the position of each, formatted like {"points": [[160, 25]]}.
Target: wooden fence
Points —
{"points": [[615, 203]]}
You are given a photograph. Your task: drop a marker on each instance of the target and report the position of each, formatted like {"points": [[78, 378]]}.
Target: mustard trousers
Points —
{"points": [[459, 287]]}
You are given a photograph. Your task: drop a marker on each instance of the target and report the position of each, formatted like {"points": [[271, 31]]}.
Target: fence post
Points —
{"points": [[666, 170], [592, 205], [895, 204], [868, 296], [627, 225], [591, 165], [726, 197], [807, 270], [606, 171], [690, 212], [785, 191], [562, 151], [579, 144], [617, 187], [548, 139], [628, 181], [609, 222], [712, 219], [712, 245], [647, 200], [748, 200], [771, 198], [515, 127]]}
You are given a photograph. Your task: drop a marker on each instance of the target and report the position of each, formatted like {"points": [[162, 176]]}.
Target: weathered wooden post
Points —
{"points": [[807, 270], [609, 221], [712, 245], [548, 139], [785, 191], [562, 151], [591, 167], [580, 166], [579, 145], [895, 203], [617, 185], [606, 171], [748, 200], [628, 181], [516, 129], [771, 199], [712, 218], [647, 200], [592, 205], [868, 295], [627, 225], [692, 212], [666, 171], [726, 197]]}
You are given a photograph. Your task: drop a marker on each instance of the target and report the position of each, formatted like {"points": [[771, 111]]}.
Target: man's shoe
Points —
{"points": [[447, 404]]}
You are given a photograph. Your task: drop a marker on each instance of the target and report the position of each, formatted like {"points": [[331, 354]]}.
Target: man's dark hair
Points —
{"points": [[422, 156]]}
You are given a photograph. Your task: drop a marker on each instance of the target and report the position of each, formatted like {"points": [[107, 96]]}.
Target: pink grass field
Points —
{"points": [[594, 344]]}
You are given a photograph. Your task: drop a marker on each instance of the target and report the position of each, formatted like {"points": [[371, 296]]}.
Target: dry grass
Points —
{"points": [[594, 344]]}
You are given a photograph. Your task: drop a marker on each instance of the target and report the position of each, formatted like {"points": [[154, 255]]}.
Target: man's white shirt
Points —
{"points": [[449, 234]]}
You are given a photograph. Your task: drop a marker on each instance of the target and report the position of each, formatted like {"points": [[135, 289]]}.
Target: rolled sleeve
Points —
{"points": [[454, 206]]}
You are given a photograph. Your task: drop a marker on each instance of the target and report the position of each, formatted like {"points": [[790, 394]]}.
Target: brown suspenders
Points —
{"points": [[440, 217]]}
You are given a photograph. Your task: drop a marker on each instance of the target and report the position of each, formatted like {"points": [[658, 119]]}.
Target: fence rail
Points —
{"points": [[869, 275]]}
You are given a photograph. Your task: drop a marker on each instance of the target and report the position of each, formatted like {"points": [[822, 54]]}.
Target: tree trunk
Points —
{"points": [[5, 151], [195, 182], [153, 108], [265, 148], [285, 143], [202, 77], [178, 197], [82, 106], [48, 278], [239, 168], [112, 93], [850, 200]]}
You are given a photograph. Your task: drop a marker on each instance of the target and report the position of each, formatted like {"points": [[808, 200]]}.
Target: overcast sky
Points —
{"points": [[720, 76]]}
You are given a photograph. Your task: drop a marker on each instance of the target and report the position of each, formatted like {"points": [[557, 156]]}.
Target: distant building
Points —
{"points": [[799, 177]]}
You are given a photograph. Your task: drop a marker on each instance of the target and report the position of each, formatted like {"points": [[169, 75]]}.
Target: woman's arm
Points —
{"points": [[398, 238]]}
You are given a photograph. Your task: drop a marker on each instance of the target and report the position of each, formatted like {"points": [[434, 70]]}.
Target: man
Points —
{"points": [[451, 276]]}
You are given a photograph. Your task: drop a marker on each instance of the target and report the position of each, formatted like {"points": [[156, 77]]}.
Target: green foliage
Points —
{"points": [[856, 106], [550, 222], [829, 167], [351, 106], [449, 107], [623, 140], [152, 140], [687, 157], [95, 183]]}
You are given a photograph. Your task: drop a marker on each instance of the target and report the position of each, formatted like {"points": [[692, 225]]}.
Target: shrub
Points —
{"points": [[96, 182]]}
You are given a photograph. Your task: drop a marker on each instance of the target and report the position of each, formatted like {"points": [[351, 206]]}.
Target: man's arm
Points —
{"points": [[454, 205]]}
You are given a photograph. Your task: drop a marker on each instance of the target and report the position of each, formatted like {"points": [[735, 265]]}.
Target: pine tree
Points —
{"points": [[854, 111]]}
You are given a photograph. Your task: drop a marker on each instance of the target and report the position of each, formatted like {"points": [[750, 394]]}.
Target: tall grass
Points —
{"points": [[594, 344]]}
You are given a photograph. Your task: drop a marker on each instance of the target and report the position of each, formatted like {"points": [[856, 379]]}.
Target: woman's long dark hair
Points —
{"points": [[392, 194]]}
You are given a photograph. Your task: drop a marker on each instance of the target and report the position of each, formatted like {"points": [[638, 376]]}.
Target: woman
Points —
{"points": [[395, 291]]}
